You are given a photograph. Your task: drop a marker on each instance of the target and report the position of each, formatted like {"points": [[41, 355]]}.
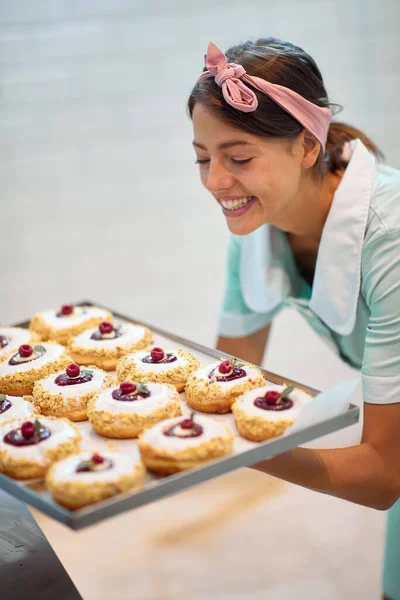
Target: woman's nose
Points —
{"points": [[217, 177]]}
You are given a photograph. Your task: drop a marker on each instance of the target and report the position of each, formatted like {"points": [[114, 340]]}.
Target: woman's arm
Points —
{"points": [[250, 347], [367, 474]]}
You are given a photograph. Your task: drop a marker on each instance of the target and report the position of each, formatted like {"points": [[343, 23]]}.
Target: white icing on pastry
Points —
{"points": [[19, 408], [75, 390], [123, 464], [16, 337], [298, 397], [61, 432], [54, 351], [80, 315], [160, 397], [204, 372], [130, 334], [155, 436], [136, 358]]}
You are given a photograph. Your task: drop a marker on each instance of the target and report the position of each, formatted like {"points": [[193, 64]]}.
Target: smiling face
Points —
{"points": [[255, 180]]}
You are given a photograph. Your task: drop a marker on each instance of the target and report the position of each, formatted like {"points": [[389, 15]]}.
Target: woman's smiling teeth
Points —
{"points": [[236, 203]]}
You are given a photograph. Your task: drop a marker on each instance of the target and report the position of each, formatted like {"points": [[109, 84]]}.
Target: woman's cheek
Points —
{"points": [[202, 177]]}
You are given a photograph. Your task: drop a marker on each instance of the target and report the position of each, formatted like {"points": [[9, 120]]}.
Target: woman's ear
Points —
{"points": [[310, 148]]}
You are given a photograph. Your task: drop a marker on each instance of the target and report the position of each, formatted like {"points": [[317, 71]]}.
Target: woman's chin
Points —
{"points": [[243, 226]]}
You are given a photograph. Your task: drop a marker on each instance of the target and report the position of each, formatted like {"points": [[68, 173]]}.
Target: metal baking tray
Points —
{"points": [[34, 493]]}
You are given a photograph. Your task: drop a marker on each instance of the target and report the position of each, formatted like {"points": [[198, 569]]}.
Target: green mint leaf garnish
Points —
{"points": [[236, 363], [2, 398], [286, 393], [38, 427], [39, 349], [85, 465], [142, 388]]}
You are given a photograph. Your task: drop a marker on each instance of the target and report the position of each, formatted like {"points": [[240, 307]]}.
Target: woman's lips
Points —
{"points": [[238, 212]]}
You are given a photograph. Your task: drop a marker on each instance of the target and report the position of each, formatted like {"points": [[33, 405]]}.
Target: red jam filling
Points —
{"points": [[28, 434], [73, 376], [220, 373], [157, 356], [128, 392], [271, 402], [4, 341], [65, 311], [95, 463], [194, 429], [25, 352], [5, 404], [104, 331]]}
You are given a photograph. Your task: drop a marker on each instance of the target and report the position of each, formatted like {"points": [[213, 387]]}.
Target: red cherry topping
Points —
{"points": [[271, 397], [97, 459], [187, 424], [127, 387], [28, 429], [105, 327], [157, 354], [73, 370], [225, 367], [25, 350], [67, 309]]}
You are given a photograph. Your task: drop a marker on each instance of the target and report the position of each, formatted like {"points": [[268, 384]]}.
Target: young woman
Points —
{"points": [[315, 224]]}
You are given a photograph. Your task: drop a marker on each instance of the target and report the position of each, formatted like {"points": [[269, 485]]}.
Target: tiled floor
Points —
{"points": [[101, 200]]}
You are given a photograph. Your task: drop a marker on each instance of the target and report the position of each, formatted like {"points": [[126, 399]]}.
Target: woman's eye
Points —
{"points": [[241, 162], [203, 161]]}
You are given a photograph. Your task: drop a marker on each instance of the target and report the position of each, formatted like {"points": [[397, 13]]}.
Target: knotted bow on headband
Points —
{"points": [[232, 79]]}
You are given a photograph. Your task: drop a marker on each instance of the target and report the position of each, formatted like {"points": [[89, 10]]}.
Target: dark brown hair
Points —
{"points": [[286, 64]]}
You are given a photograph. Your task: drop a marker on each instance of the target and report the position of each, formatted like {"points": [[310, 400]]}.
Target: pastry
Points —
{"points": [[67, 393], [11, 338], [214, 388], [126, 411], [88, 477], [184, 443], [28, 448], [19, 372], [267, 412], [104, 345], [158, 366], [15, 407], [69, 321]]}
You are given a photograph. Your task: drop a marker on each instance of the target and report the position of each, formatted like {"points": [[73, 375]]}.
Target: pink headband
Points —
{"points": [[232, 78]]}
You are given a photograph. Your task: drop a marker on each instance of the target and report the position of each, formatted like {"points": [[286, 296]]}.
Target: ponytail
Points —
{"points": [[339, 133]]}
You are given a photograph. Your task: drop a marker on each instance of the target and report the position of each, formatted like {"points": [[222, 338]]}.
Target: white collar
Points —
{"points": [[337, 276]]}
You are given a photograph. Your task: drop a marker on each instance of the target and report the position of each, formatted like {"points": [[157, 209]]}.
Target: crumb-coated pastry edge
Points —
{"points": [[176, 376], [208, 397], [21, 383], [166, 462], [106, 358], [74, 494], [24, 468], [126, 425], [73, 408], [62, 336]]}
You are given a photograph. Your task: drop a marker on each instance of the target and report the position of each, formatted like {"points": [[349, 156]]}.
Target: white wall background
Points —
{"points": [[100, 197]]}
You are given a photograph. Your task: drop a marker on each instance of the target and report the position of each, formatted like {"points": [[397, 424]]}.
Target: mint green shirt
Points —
{"points": [[354, 303]]}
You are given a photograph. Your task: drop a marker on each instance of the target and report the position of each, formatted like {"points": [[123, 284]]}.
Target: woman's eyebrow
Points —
{"points": [[223, 145]]}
